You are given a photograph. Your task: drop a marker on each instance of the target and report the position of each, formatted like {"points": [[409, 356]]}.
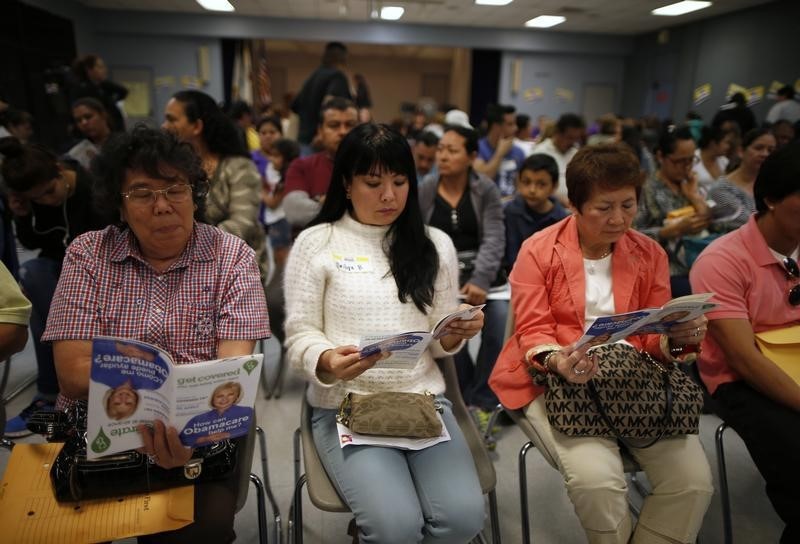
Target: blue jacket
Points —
{"points": [[521, 224]]}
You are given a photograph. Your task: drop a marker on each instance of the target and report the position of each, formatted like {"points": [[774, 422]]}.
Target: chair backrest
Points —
{"points": [[320, 488], [483, 463]]}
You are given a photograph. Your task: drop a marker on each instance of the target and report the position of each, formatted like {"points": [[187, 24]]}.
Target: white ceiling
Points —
{"points": [[595, 16]]}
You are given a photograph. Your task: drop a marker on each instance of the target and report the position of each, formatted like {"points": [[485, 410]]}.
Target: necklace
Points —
{"points": [[590, 268]]}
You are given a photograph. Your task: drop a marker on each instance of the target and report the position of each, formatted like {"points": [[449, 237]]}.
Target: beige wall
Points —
{"points": [[392, 79]]}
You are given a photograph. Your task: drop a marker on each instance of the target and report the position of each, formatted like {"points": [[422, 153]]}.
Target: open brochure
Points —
{"points": [[613, 328], [403, 350], [135, 383], [349, 438]]}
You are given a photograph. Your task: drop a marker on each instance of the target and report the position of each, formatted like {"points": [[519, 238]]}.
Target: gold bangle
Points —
{"points": [[546, 361]]}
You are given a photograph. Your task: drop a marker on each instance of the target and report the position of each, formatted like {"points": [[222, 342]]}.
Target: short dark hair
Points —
{"points": [[427, 138], [335, 103], [752, 135], [538, 162], [496, 112], [669, 139], [91, 103], [522, 120], [470, 137], [605, 166], [238, 109], [158, 154], [220, 133], [273, 120], [711, 134], [26, 166], [335, 53], [82, 65], [289, 150], [413, 258], [778, 177], [787, 91], [13, 117], [568, 121]]}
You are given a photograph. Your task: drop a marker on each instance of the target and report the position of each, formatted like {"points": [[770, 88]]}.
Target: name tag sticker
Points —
{"points": [[349, 263]]}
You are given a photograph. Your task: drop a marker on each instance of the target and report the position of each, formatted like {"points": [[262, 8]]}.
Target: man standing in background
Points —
{"points": [[327, 81], [498, 157]]}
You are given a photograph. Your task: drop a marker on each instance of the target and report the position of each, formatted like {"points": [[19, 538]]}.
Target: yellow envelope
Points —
{"points": [[782, 347], [29, 512]]}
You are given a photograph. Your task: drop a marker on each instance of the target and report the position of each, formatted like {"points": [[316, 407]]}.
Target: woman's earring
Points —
{"points": [[347, 195]]}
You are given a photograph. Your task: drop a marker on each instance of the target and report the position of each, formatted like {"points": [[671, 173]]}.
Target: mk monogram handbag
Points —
{"points": [[632, 397], [410, 415]]}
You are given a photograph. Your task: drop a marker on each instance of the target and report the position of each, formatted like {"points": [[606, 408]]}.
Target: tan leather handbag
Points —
{"points": [[411, 415]]}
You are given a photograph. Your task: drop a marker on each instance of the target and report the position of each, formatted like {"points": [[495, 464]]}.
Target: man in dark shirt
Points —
{"points": [[307, 178], [327, 81]]}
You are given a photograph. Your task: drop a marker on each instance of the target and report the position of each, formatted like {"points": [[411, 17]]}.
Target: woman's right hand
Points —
{"points": [[574, 365], [346, 363]]}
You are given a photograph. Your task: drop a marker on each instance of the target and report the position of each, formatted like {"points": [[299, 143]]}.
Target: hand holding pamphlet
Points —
{"points": [[403, 350], [613, 328], [134, 383]]}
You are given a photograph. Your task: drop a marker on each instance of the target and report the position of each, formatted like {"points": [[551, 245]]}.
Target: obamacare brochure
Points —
{"points": [[403, 350], [134, 383]]}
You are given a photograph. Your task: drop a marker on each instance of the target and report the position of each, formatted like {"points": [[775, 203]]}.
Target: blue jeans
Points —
{"points": [[38, 278], [398, 496], [473, 379]]}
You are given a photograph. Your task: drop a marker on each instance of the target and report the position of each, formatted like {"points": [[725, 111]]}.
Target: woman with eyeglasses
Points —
{"points": [[733, 194], [162, 277], [754, 274], [233, 199], [672, 205], [51, 204], [467, 206]]}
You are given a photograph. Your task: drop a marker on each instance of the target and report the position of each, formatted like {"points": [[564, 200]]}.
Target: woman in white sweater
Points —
{"points": [[367, 264]]}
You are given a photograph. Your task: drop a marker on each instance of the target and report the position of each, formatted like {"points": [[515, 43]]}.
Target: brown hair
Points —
{"points": [[606, 166]]}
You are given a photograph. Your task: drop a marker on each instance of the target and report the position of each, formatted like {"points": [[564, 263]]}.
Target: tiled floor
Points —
{"points": [[553, 518]]}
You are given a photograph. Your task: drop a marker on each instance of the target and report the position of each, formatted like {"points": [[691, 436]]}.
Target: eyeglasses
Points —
{"points": [[687, 162], [144, 196], [792, 271]]}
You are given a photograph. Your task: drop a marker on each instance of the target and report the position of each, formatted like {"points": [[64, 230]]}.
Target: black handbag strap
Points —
{"points": [[668, 404]]}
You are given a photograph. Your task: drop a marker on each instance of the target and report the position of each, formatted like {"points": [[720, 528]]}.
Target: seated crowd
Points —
{"points": [[199, 228]]}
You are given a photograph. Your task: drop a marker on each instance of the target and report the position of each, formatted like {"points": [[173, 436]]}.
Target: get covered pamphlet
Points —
{"points": [[613, 328], [135, 383], [403, 350]]}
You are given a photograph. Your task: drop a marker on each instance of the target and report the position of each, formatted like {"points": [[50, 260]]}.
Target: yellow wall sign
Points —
{"points": [[701, 94], [533, 94]]}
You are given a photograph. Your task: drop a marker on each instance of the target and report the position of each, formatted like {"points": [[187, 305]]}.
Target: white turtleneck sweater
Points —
{"points": [[329, 303]]}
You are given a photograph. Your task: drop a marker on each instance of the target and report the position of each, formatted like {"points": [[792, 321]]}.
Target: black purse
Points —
{"points": [[75, 478], [632, 398]]}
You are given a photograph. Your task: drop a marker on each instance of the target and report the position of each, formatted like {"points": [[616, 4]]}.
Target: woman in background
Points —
{"points": [[232, 202], [91, 119], [91, 80]]}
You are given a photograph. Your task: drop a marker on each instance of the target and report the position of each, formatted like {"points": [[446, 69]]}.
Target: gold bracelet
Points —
{"points": [[546, 361]]}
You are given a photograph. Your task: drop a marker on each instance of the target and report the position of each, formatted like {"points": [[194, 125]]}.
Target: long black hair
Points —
{"points": [[413, 259], [219, 131]]}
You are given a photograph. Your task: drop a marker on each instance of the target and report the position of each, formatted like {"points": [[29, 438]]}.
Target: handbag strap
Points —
{"points": [[668, 404]]}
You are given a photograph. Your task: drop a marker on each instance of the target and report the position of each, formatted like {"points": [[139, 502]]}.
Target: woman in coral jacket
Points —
{"points": [[587, 266]]}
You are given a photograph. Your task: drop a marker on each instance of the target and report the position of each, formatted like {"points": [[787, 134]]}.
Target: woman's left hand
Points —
{"points": [[163, 445], [461, 329], [688, 332], [473, 294]]}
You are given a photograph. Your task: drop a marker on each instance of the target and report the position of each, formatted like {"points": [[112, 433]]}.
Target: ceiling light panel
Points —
{"points": [[216, 5], [545, 21], [680, 8], [391, 13]]}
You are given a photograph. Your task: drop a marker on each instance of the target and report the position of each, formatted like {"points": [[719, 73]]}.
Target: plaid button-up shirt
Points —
{"points": [[212, 292]]}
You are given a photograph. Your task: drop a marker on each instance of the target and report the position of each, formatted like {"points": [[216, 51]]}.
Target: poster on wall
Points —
{"points": [[564, 95], [797, 86], [734, 88], [533, 94], [701, 94], [774, 87], [755, 95]]}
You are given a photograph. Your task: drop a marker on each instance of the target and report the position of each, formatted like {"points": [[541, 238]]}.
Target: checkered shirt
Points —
{"points": [[212, 292]]}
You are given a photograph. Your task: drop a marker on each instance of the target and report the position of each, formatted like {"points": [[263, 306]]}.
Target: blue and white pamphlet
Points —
{"points": [[613, 328], [403, 350], [134, 383]]}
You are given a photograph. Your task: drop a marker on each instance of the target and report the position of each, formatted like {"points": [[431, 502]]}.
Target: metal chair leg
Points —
{"points": [[296, 449], [262, 510], [276, 513], [523, 492], [297, 511], [494, 517], [280, 376], [725, 499], [492, 422]]}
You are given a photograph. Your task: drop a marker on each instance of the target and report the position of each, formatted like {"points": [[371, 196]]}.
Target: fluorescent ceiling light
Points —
{"points": [[493, 2], [216, 5], [391, 13], [680, 8], [545, 21]]}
